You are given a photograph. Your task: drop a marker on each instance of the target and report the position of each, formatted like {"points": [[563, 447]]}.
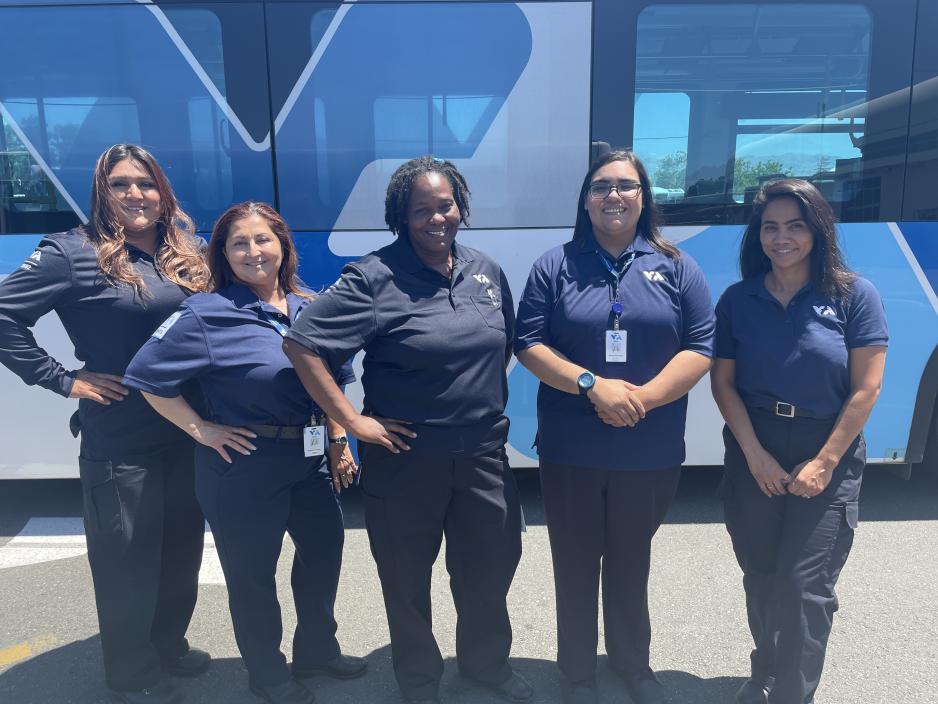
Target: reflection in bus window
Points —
{"points": [[29, 200], [730, 96]]}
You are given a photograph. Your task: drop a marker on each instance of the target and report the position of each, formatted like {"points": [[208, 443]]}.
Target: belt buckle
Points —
{"points": [[786, 410]]}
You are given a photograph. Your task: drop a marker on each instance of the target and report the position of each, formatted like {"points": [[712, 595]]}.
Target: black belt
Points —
{"points": [[786, 410], [277, 432]]}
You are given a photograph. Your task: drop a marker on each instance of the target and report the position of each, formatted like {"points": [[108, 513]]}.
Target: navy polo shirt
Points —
{"points": [[567, 305], [797, 354], [106, 322], [436, 349], [227, 340]]}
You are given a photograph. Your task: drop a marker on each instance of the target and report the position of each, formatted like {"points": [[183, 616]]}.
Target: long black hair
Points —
{"points": [[829, 272], [649, 222], [402, 183]]}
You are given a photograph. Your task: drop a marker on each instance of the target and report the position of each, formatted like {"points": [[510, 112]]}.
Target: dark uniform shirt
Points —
{"points": [[107, 323], [567, 305], [797, 354], [435, 349], [229, 340]]}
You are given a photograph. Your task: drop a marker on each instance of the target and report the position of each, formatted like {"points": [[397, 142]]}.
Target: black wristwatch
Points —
{"points": [[585, 382], [340, 440]]}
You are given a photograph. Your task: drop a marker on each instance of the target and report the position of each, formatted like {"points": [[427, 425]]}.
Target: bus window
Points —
{"points": [[920, 202], [731, 96]]}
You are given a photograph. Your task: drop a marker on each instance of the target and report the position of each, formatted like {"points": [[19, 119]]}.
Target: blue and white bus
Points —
{"points": [[311, 106]]}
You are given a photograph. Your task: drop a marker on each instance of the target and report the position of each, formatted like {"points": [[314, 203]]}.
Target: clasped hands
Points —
{"points": [[807, 479], [617, 402]]}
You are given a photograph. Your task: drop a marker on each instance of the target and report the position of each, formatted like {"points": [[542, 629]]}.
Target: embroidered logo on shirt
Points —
{"points": [[654, 276], [826, 311], [32, 260], [167, 324], [489, 291]]}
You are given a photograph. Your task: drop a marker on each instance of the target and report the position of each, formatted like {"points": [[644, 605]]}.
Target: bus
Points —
{"points": [[311, 106]]}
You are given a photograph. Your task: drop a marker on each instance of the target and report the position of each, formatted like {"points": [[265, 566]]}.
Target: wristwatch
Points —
{"points": [[340, 440], [585, 382]]}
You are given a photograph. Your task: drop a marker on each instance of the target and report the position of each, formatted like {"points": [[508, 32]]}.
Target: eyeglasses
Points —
{"points": [[602, 189]]}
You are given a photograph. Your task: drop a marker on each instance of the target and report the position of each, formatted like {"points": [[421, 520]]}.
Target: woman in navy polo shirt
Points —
{"points": [[111, 282], [435, 321], [261, 466], [801, 345], [618, 326]]}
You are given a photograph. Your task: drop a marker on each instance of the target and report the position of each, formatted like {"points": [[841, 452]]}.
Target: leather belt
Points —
{"points": [[787, 410], [277, 432]]}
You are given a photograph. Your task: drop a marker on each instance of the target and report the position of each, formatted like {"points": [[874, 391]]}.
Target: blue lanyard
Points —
{"points": [[615, 283]]}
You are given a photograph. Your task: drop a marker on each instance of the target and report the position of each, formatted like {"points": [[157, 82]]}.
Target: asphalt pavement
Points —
{"points": [[883, 648]]}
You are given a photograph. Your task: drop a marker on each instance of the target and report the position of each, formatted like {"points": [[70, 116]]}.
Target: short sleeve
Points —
{"points": [[532, 326], [38, 286], [866, 317], [339, 322], [725, 342], [697, 334], [346, 374], [176, 352]]}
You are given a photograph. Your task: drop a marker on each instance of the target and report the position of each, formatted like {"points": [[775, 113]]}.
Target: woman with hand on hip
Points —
{"points": [[618, 326], [112, 282], [262, 463], [801, 346], [435, 320]]}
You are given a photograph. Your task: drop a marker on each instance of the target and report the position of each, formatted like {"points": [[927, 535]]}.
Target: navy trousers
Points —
{"points": [[791, 551], [410, 503], [601, 522], [250, 505], [144, 531]]}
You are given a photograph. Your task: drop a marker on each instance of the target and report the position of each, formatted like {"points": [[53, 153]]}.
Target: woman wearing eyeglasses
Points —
{"points": [[618, 326]]}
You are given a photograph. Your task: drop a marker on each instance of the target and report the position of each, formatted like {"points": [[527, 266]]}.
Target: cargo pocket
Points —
{"points": [[102, 496], [852, 514]]}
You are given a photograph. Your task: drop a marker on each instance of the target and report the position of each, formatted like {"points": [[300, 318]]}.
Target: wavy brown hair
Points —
{"points": [[178, 254], [829, 272], [218, 263], [649, 222]]}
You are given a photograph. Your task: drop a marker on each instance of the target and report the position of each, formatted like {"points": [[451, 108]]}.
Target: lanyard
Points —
{"points": [[615, 283]]}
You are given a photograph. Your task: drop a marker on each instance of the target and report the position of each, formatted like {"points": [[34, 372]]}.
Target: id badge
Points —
{"points": [[314, 440], [616, 345]]}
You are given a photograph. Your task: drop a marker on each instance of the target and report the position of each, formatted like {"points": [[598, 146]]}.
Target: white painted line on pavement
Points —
{"points": [[61, 538]]}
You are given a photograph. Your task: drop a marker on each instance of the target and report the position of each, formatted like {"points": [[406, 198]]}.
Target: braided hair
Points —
{"points": [[402, 183]]}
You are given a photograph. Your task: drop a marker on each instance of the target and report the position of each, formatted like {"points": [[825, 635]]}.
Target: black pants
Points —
{"points": [[410, 503], [791, 551], [250, 505], [144, 530], [602, 522]]}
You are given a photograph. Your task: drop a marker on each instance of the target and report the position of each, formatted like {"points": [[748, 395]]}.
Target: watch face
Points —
{"points": [[586, 380]]}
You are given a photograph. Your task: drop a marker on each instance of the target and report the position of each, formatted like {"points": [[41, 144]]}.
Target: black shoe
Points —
{"points": [[343, 667], [289, 692], [580, 694], [161, 693], [645, 689], [515, 689], [192, 664], [752, 692]]}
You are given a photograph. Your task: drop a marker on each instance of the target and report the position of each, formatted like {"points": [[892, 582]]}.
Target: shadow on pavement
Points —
{"points": [[72, 675]]}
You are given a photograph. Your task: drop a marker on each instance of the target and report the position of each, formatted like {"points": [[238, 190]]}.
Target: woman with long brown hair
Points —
{"points": [[112, 282], [263, 467], [800, 351]]}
